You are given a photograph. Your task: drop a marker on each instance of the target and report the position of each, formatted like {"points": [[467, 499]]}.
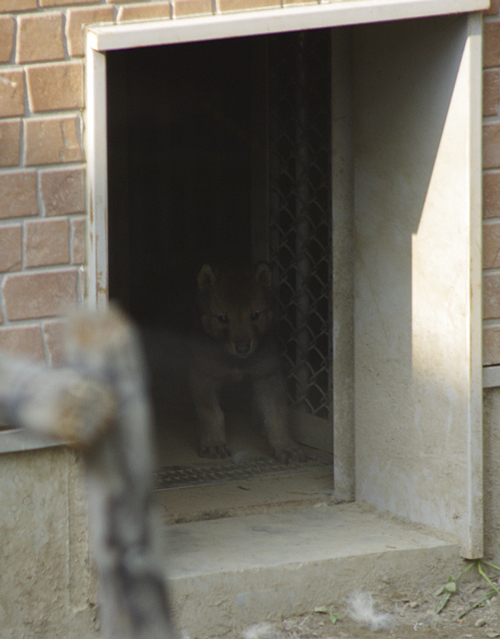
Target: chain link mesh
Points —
{"points": [[300, 212]]}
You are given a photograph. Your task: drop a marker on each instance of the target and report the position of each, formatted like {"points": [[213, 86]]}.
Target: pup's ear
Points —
{"points": [[206, 277], [263, 275]]}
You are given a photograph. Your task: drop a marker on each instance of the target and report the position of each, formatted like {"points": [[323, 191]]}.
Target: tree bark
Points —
{"points": [[99, 403]]}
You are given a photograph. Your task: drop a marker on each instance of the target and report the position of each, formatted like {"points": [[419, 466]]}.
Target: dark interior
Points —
{"points": [[189, 182], [181, 136]]}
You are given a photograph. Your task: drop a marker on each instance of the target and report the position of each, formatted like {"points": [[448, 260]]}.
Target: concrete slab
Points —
{"points": [[229, 573], [258, 495]]}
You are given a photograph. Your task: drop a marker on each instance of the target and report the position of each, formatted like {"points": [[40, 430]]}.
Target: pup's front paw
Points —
{"points": [[215, 450], [289, 453]]}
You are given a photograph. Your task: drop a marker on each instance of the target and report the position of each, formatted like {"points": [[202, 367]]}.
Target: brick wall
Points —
{"points": [[42, 162], [42, 210], [491, 185]]}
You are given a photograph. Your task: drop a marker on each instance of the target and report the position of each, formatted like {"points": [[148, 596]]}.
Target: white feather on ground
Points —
{"points": [[260, 631], [362, 610]]}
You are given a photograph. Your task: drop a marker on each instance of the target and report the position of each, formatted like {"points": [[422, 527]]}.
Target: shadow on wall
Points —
{"points": [[412, 269]]}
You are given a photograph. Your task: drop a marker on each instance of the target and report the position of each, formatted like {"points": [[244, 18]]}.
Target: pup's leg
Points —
{"points": [[270, 397], [205, 392]]}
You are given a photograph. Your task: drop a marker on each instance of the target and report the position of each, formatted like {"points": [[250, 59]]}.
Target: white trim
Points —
{"points": [[473, 546], [418, 384], [343, 286], [16, 439], [255, 22], [104, 38], [131, 35], [97, 185]]}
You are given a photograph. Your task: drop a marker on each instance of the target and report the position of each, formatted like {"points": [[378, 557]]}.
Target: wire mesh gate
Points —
{"points": [[300, 204]]}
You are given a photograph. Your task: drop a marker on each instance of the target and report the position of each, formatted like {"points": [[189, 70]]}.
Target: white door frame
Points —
{"points": [[103, 38]]}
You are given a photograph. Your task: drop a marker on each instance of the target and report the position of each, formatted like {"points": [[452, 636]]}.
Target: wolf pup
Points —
{"points": [[237, 340]]}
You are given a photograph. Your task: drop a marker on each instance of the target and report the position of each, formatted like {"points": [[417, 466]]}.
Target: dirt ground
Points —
{"points": [[407, 619]]}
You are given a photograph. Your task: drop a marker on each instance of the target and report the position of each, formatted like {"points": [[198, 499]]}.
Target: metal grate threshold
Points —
{"points": [[237, 468]]}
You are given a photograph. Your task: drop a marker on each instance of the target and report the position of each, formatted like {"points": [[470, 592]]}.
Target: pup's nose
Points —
{"points": [[243, 348]]}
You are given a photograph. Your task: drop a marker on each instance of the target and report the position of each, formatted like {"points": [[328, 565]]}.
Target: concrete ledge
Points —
{"points": [[491, 376], [230, 573]]}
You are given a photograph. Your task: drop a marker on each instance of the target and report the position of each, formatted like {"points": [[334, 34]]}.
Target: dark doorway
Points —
{"points": [[220, 150]]}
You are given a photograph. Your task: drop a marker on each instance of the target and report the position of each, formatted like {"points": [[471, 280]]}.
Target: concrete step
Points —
{"points": [[229, 573]]}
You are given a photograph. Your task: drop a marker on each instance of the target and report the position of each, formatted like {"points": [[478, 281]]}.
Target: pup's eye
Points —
{"points": [[255, 316], [223, 319]]}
